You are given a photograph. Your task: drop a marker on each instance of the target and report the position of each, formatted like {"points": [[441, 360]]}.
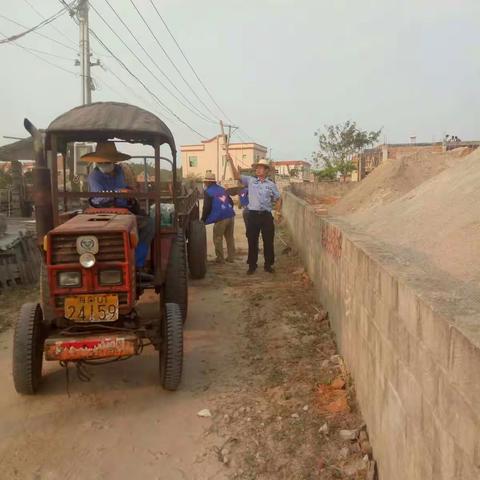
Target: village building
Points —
{"points": [[210, 155], [294, 169]]}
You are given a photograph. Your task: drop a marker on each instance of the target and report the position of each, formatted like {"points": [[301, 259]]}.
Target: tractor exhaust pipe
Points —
{"points": [[42, 186]]}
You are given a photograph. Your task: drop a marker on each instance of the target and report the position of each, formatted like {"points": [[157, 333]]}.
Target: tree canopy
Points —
{"points": [[338, 143]]}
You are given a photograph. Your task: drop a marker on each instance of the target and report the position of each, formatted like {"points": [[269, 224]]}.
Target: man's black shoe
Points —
{"points": [[251, 271], [269, 269]]}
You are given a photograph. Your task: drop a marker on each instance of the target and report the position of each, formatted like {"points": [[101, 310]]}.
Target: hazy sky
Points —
{"points": [[279, 68]]}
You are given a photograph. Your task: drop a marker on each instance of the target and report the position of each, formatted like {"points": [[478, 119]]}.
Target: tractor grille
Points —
{"points": [[122, 299], [110, 248]]}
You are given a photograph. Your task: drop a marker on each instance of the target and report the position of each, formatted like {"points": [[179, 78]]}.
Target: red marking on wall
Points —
{"points": [[332, 240]]}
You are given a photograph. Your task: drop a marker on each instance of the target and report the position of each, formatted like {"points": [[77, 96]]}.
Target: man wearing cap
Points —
{"points": [[107, 176], [218, 209], [263, 194]]}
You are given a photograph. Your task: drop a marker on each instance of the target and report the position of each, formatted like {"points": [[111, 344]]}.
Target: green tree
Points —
{"points": [[326, 174], [338, 143]]}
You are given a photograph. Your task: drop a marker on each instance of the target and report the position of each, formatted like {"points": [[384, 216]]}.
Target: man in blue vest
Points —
{"points": [[108, 176], [218, 209]]}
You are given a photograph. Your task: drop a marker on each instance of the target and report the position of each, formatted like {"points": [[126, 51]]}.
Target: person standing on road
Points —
{"points": [[263, 194], [218, 209]]}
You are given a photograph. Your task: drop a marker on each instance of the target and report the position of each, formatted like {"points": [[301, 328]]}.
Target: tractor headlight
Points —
{"points": [[87, 260], [69, 279], [110, 277]]}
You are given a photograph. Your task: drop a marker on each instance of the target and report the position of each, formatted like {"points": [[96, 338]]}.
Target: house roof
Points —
{"points": [[279, 163]]}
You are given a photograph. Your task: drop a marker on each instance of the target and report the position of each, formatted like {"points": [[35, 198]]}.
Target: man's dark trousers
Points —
{"points": [[260, 222]]}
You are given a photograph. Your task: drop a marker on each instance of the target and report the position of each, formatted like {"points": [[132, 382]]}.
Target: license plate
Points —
{"points": [[92, 308]]}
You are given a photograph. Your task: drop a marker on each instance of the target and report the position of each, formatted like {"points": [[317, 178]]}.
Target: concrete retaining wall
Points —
{"points": [[416, 371], [318, 192]]}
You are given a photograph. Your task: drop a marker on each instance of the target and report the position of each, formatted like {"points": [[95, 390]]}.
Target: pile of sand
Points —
{"points": [[394, 178], [437, 222]]}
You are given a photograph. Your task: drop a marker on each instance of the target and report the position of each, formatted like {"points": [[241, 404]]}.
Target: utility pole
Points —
{"points": [[80, 11], [226, 139], [82, 15]]}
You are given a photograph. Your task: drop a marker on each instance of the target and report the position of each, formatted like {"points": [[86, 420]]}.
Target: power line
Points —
{"points": [[158, 67], [41, 58], [36, 27], [197, 76], [43, 52], [39, 33], [170, 60], [143, 63], [143, 84], [43, 16], [189, 63], [129, 88]]}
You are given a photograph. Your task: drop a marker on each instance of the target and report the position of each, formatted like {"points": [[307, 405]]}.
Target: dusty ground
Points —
{"points": [[259, 356]]}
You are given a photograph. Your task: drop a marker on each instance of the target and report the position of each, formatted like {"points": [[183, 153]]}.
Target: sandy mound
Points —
{"points": [[437, 223], [394, 178]]}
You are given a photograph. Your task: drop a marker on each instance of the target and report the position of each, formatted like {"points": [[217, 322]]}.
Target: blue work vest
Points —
{"points": [[243, 195], [221, 206]]}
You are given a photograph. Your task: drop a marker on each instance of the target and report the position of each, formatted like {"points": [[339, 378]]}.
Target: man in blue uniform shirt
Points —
{"points": [[263, 194], [107, 176]]}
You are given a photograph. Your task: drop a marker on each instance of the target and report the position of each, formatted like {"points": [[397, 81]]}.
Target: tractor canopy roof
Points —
{"points": [[102, 121]]}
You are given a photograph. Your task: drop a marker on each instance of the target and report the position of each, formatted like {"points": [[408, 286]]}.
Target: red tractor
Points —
{"points": [[89, 285]]}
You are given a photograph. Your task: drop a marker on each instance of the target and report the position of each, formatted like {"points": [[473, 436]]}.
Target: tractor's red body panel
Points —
{"points": [[117, 236]]}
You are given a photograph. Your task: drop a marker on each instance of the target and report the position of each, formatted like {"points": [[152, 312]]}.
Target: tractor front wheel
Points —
{"points": [[171, 349], [28, 349]]}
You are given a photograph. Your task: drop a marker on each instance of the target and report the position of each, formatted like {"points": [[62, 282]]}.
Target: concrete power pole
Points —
{"points": [[82, 15], [226, 145]]}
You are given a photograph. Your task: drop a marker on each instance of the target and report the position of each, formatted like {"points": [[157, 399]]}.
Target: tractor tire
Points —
{"points": [[28, 349], [197, 249], [47, 310], [171, 349], [176, 281]]}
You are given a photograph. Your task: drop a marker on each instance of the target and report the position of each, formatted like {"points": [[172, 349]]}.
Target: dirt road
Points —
{"points": [[256, 350]]}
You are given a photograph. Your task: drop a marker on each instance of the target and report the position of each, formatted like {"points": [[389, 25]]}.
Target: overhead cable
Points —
{"points": [[189, 63], [31, 52], [197, 76], [171, 61], [197, 112], [139, 80], [39, 33], [43, 16], [36, 27]]}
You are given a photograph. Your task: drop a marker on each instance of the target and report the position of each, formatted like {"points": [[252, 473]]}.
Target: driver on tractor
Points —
{"points": [[107, 176]]}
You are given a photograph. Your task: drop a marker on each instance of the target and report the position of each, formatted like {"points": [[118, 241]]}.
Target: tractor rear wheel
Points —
{"points": [[28, 349], [197, 249], [176, 281], [171, 349]]}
